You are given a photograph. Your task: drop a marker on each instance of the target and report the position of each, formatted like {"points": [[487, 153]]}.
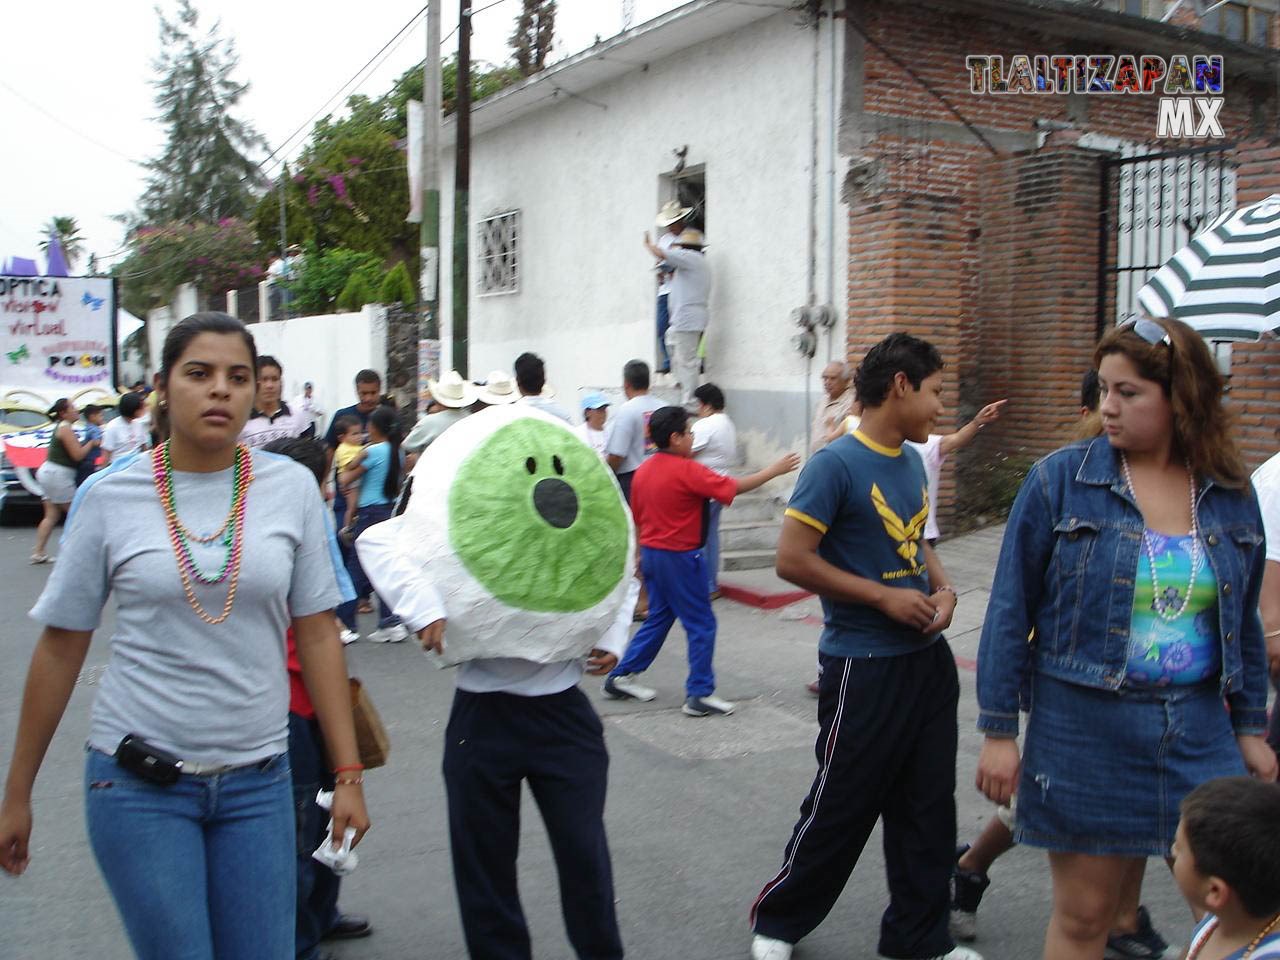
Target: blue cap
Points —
{"points": [[594, 401]]}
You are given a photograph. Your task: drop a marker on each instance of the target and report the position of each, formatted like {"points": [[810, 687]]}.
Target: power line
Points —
{"points": [[58, 120], [355, 77], [487, 6]]}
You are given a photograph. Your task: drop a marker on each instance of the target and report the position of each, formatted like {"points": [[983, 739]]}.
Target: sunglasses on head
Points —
{"points": [[1150, 331], [1153, 333]]}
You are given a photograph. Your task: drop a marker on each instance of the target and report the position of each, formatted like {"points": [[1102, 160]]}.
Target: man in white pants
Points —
{"points": [[690, 292]]}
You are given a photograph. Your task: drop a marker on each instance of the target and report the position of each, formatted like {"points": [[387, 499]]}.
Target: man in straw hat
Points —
{"points": [[497, 389], [455, 395], [690, 292], [671, 219]]}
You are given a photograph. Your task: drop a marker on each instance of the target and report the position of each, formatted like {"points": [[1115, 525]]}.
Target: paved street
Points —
{"points": [[698, 814]]}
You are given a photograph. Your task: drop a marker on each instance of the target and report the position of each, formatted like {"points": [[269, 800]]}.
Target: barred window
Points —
{"points": [[500, 253]]}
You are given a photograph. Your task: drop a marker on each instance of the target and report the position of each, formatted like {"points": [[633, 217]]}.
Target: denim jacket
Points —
{"points": [[1066, 570]]}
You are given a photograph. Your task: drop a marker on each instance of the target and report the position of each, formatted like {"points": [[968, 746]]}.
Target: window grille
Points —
{"points": [[500, 253]]}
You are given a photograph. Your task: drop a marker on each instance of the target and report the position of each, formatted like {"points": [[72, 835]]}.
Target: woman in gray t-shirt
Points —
{"points": [[212, 552]]}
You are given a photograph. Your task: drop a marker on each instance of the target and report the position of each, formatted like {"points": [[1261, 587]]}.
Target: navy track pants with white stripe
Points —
{"points": [[886, 749]]}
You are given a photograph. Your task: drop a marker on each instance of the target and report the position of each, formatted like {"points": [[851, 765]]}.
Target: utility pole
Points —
{"points": [[462, 189], [284, 178], [429, 238]]}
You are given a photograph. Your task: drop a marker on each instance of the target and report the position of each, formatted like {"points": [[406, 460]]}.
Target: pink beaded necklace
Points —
{"points": [[231, 533]]}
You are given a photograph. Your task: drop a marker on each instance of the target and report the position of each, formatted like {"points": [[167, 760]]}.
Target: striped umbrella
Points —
{"points": [[1226, 282]]}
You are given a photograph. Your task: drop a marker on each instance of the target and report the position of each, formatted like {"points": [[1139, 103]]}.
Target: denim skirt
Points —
{"points": [[1104, 771]]}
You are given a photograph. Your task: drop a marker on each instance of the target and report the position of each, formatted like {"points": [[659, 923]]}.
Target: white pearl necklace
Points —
{"points": [[1158, 604]]}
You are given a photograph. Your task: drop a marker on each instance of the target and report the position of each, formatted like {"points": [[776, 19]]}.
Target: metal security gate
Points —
{"points": [[1152, 204]]}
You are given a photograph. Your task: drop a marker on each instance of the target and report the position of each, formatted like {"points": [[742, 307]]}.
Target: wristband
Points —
{"points": [[947, 588], [348, 767], [1271, 635], [349, 781]]}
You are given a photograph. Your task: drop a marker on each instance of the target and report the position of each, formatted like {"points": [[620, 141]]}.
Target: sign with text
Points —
{"points": [[57, 333]]}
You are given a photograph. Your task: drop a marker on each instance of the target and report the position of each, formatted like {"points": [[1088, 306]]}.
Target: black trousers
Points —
{"points": [[493, 742], [886, 749]]}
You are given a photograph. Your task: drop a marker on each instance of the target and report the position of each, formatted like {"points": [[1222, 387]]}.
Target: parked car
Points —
{"points": [[25, 432]]}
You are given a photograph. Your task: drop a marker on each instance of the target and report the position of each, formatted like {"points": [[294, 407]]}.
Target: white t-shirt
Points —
{"points": [[122, 436], [715, 442], [931, 453], [1266, 481], [629, 431], [594, 438]]}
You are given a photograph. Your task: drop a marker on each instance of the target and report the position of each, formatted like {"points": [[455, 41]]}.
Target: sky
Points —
{"points": [[78, 107]]}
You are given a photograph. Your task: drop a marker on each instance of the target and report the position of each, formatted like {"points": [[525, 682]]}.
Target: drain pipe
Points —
{"points": [[832, 155], [811, 284]]}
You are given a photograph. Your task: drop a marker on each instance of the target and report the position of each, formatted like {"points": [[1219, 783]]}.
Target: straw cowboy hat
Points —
{"points": [[498, 388], [452, 391], [691, 238], [671, 212]]}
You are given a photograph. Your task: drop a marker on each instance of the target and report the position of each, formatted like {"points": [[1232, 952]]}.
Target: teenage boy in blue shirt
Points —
{"points": [[854, 534]]}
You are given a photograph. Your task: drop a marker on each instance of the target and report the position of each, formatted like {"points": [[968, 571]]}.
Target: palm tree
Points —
{"points": [[68, 233]]}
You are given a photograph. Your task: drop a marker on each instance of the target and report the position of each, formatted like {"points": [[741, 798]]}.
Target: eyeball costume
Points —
{"points": [[517, 534]]}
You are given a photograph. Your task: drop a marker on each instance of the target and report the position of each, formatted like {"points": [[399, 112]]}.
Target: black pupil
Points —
{"points": [[531, 465], [555, 462]]}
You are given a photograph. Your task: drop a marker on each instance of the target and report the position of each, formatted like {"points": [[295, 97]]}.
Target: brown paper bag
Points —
{"points": [[371, 735]]}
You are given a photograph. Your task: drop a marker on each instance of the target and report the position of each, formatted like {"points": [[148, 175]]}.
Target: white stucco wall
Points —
{"points": [[328, 350], [586, 178]]}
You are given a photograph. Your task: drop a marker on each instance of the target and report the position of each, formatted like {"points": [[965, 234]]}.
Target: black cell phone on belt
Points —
{"points": [[148, 762]]}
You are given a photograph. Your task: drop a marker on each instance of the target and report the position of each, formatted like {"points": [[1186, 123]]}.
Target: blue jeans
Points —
{"points": [[712, 549], [366, 517], [677, 582], [664, 320], [317, 909], [201, 869]]}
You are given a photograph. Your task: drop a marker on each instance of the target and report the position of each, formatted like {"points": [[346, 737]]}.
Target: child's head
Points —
{"points": [[349, 430], [1228, 844], [304, 450], [93, 414], [668, 429]]}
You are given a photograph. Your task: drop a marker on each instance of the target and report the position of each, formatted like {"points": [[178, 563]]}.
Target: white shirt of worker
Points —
{"points": [[418, 604], [687, 303]]}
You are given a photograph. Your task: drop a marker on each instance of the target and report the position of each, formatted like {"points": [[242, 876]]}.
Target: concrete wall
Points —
{"points": [[586, 177]]}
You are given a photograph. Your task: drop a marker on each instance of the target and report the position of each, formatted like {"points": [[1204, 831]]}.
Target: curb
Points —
{"points": [[758, 598]]}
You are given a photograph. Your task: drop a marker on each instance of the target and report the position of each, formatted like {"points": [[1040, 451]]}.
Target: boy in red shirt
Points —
{"points": [[669, 500]]}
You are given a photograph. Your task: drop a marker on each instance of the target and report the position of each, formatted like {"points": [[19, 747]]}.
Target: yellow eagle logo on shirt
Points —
{"points": [[905, 535]]}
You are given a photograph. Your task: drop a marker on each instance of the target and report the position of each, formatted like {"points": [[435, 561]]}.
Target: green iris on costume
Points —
{"points": [[536, 518]]}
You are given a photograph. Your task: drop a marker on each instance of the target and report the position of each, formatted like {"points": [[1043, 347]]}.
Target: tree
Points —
{"points": [[205, 171], [68, 233], [534, 33], [323, 275], [397, 286], [214, 257], [358, 291]]}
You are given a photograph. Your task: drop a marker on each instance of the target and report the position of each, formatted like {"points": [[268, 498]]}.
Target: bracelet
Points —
{"points": [[948, 589], [349, 766], [349, 781], [1273, 633]]}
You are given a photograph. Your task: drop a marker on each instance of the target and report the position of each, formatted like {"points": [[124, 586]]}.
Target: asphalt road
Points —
{"points": [[699, 809]]}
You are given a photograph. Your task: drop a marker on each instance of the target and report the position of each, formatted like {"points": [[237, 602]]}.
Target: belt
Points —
{"points": [[195, 769]]}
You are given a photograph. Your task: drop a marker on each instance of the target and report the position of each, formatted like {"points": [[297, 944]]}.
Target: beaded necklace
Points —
{"points": [[1248, 951], [230, 534], [1160, 603]]}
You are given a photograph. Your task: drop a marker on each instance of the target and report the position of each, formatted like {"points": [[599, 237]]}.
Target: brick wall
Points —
{"points": [[993, 254]]}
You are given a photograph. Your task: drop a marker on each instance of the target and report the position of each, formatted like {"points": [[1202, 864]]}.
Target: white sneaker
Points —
{"points": [[958, 953], [767, 948], [627, 687], [348, 637], [392, 634], [705, 707]]}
